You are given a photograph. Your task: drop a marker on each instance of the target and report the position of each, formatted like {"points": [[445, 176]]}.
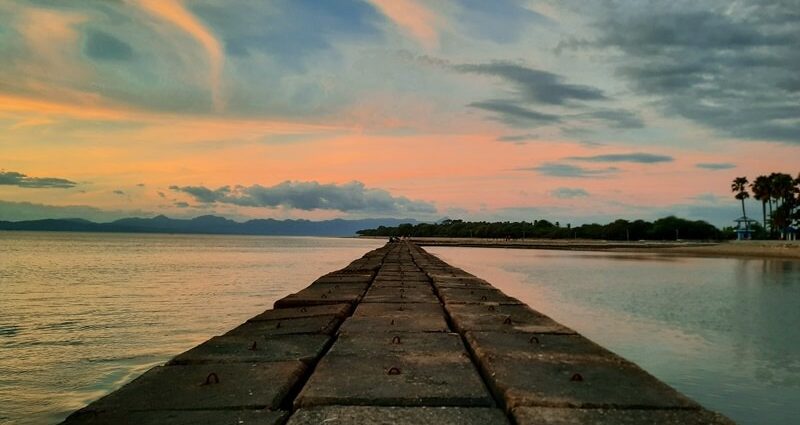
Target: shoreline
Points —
{"points": [[789, 250]]}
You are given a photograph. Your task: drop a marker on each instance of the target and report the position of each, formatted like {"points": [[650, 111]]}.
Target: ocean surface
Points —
{"points": [[725, 332], [81, 314]]}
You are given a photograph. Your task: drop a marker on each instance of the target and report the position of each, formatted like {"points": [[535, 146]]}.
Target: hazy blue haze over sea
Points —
{"points": [[81, 314], [725, 332]]}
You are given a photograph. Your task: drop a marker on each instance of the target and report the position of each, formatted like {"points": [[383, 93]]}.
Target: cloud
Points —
{"points": [[729, 66], [569, 193], [516, 115], [175, 13], [413, 17], [119, 192], [518, 138], [281, 29], [636, 157], [500, 21], [616, 118], [534, 85], [104, 46], [181, 204], [558, 169], [715, 165], [13, 178], [348, 197]]}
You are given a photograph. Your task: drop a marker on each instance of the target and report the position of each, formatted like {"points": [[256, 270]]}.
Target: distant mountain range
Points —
{"points": [[209, 224]]}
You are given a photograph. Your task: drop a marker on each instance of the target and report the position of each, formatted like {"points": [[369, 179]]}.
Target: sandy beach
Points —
{"points": [[753, 249]]}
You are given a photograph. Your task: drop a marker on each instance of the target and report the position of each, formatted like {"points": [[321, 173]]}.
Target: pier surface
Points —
{"points": [[397, 337]]}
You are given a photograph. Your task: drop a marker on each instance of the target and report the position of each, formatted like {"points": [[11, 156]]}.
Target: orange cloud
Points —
{"points": [[413, 17], [175, 13]]}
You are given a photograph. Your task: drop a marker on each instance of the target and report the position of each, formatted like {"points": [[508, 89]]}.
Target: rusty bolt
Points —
{"points": [[209, 379], [576, 377], [394, 371], [395, 339], [533, 339], [508, 321]]}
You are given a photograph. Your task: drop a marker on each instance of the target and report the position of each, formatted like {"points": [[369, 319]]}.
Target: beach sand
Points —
{"points": [[752, 249]]}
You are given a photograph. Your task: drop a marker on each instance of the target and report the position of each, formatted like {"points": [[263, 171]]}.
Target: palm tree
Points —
{"points": [[739, 186], [783, 191], [761, 191]]}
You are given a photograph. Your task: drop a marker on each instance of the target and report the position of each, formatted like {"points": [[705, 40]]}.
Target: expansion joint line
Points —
{"points": [[288, 402], [449, 320]]}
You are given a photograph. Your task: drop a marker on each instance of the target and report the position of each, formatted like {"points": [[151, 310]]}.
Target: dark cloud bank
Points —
{"points": [[730, 66]]}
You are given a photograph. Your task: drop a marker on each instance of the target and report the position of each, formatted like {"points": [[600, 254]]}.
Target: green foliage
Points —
{"points": [[668, 228]]}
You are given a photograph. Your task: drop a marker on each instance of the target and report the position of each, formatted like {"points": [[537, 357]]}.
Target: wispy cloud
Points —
{"points": [[536, 85], [715, 165], [569, 193], [518, 138], [636, 157], [558, 169], [348, 197], [13, 178], [413, 17], [516, 115], [175, 13]]}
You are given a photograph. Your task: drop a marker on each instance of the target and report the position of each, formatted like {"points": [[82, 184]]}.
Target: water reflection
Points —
{"points": [[723, 331], [81, 314]]}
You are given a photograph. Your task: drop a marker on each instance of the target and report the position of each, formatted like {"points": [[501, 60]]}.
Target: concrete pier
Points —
{"points": [[397, 337]]}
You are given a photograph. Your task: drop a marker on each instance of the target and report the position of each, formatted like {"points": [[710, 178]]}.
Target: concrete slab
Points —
{"points": [[461, 282], [555, 416], [430, 379], [532, 346], [194, 387], [370, 415], [183, 417], [340, 310], [578, 383], [502, 318], [382, 309], [364, 279], [402, 322], [401, 284], [401, 295], [320, 294], [471, 296], [301, 325], [369, 346], [232, 349]]}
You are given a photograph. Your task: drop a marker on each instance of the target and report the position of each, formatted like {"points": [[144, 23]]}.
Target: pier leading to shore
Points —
{"points": [[397, 337]]}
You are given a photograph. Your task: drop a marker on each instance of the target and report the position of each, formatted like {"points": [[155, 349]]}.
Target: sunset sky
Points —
{"points": [[573, 111]]}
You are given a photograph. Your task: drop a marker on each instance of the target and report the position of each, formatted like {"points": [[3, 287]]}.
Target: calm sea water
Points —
{"points": [[81, 314], [726, 332]]}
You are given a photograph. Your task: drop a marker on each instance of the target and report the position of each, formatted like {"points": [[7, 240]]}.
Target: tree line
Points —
{"points": [[779, 194], [667, 228]]}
